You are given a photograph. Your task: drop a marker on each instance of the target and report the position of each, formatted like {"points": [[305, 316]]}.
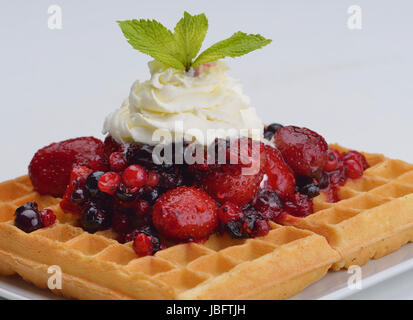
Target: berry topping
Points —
{"points": [[94, 219], [304, 151], [229, 212], [134, 176], [185, 213], [143, 245], [142, 207], [109, 182], [50, 167], [150, 194], [27, 217], [92, 182], [110, 146], [79, 196], [334, 160], [48, 217], [268, 204], [152, 179], [308, 186], [261, 228], [355, 164], [121, 222], [280, 177], [117, 161], [299, 205], [124, 194], [271, 129]]}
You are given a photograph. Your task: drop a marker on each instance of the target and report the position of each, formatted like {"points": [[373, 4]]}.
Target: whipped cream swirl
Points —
{"points": [[199, 105]]}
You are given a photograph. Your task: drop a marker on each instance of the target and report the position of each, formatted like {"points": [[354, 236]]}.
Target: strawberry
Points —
{"points": [[236, 188], [304, 151], [50, 167], [185, 213], [280, 177]]}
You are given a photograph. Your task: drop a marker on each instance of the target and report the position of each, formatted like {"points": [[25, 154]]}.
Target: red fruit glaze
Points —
{"points": [[153, 179], [280, 177], [185, 213], [121, 222], [77, 179], [143, 245], [50, 167], [236, 188], [304, 151], [229, 212], [134, 176], [142, 207], [48, 217], [117, 161], [109, 182], [299, 205]]}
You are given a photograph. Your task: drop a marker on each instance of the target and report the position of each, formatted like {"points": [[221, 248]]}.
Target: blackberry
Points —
{"points": [[94, 219], [307, 186], [171, 179], [235, 229], [27, 217], [268, 203]]}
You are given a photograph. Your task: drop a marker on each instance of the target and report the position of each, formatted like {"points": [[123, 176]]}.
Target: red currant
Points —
{"points": [[48, 217], [143, 245], [117, 161], [109, 182], [134, 176]]}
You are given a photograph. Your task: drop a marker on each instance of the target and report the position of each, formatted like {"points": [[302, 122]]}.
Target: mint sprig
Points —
{"points": [[179, 49]]}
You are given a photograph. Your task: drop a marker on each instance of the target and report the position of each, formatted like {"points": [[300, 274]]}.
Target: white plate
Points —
{"points": [[332, 286]]}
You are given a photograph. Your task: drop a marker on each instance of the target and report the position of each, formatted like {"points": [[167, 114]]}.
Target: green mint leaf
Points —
{"points": [[189, 33], [152, 38], [237, 45]]}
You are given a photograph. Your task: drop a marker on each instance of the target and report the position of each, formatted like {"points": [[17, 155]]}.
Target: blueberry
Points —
{"points": [[234, 229], [273, 127], [124, 195], [91, 184], [171, 179], [307, 186], [150, 194], [94, 219], [28, 218], [79, 196]]}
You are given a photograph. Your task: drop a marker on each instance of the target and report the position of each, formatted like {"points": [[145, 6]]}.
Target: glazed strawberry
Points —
{"points": [[280, 177], [75, 194], [236, 188], [50, 167], [185, 213], [304, 151]]}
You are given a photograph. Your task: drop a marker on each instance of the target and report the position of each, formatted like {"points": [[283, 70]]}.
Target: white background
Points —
{"points": [[354, 87]]}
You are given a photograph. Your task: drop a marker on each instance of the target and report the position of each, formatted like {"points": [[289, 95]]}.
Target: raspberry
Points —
{"points": [[143, 245], [334, 160], [134, 176], [48, 217], [50, 167], [109, 182], [185, 213], [304, 151], [280, 177], [118, 161], [236, 188], [78, 178], [153, 179], [299, 205], [142, 207], [229, 212]]}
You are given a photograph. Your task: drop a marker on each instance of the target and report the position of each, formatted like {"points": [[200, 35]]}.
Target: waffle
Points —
{"points": [[95, 266], [374, 216]]}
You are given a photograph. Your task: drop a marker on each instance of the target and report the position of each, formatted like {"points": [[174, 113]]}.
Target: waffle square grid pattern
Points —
{"points": [[373, 218]]}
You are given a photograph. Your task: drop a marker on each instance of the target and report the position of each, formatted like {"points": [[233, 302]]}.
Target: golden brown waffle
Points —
{"points": [[374, 216], [95, 266]]}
